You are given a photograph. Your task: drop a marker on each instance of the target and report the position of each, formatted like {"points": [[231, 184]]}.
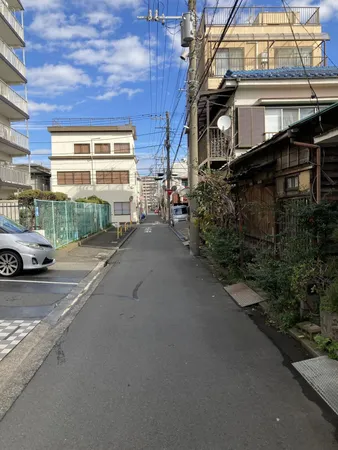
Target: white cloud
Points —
{"points": [[104, 19], [47, 107], [42, 4], [56, 79], [56, 26], [110, 94], [123, 60]]}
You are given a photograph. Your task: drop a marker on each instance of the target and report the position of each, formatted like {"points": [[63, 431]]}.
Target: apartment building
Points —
{"points": [[97, 160], [270, 70], [13, 107], [149, 192]]}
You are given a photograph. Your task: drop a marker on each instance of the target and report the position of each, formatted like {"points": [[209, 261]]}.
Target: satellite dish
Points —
{"points": [[224, 123]]}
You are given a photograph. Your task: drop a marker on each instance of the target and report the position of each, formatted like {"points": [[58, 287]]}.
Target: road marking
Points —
{"points": [[39, 282], [148, 230]]}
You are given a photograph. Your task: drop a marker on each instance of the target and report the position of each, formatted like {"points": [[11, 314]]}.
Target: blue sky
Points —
{"points": [[90, 58]]}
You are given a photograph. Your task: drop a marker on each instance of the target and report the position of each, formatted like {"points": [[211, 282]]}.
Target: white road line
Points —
{"points": [[39, 282], [148, 230]]}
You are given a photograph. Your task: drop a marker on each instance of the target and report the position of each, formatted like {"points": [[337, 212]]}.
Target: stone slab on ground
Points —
{"points": [[322, 375], [311, 329], [243, 295]]}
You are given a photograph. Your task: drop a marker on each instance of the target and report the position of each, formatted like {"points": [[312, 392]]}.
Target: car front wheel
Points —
{"points": [[10, 264]]}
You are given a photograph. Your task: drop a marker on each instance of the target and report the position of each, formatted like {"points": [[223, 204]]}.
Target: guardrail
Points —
{"points": [[262, 16]]}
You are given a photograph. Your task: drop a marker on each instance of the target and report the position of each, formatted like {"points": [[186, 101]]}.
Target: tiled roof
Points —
{"points": [[287, 72]]}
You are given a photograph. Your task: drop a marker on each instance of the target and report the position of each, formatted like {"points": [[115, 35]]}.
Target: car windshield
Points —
{"points": [[180, 211], [10, 226]]}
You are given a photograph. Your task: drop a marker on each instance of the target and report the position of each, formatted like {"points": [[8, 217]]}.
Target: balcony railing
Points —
{"points": [[12, 58], [221, 65], [11, 19], [9, 174], [13, 97], [262, 16], [13, 136]]}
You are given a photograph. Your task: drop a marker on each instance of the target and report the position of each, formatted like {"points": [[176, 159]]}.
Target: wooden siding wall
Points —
{"points": [[258, 203], [329, 184]]}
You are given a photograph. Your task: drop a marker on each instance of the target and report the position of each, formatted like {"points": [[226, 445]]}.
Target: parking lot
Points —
{"points": [[35, 294]]}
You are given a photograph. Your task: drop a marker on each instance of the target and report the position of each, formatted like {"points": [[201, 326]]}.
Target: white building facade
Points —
{"points": [[13, 107], [100, 161], [149, 192]]}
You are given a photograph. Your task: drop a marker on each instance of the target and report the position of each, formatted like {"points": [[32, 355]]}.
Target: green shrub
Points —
{"points": [[92, 199], [329, 299], [327, 345]]}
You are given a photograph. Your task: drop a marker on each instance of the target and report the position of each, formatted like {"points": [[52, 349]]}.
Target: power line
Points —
{"points": [[314, 94]]}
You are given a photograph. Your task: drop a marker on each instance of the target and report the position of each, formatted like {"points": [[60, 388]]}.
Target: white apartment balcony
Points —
{"points": [[15, 4], [12, 105], [12, 142], [11, 176], [12, 70], [11, 31]]}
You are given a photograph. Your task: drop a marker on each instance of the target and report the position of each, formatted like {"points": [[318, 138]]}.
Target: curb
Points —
{"points": [[20, 365], [308, 345], [178, 234]]}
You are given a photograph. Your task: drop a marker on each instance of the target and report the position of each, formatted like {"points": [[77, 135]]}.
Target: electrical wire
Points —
{"points": [[314, 94]]}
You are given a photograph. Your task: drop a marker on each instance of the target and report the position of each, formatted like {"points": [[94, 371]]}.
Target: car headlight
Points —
{"points": [[30, 245]]}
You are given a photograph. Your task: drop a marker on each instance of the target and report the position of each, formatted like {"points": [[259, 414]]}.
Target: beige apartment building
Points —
{"points": [[100, 161], [13, 107], [260, 76]]}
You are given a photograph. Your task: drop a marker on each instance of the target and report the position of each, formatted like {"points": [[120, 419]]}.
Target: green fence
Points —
{"points": [[65, 222]]}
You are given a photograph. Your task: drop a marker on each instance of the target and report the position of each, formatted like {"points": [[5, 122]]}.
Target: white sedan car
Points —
{"points": [[21, 249]]}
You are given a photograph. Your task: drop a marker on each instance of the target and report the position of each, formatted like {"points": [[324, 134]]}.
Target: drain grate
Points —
{"points": [[322, 374]]}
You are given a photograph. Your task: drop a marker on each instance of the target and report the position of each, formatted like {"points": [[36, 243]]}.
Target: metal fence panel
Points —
{"points": [[10, 209], [65, 222]]}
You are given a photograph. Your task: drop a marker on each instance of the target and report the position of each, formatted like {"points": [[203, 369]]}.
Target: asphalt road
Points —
{"points": [[160, 358]]}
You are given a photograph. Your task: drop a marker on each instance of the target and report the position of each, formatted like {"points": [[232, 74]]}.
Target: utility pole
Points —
{"points": [[168, 145], [188, 35], [193, 136]]}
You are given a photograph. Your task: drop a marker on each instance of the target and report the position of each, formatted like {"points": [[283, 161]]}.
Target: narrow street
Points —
{"points": [[161, 358]]}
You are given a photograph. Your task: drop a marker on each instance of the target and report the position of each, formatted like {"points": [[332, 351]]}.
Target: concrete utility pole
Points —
{"points": [[193, 135], [168, 145]]}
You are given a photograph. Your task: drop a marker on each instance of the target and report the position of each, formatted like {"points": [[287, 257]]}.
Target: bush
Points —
{"points": [[92, 199], [329, 300], [26, 198], [327, 345], [227, 249]]}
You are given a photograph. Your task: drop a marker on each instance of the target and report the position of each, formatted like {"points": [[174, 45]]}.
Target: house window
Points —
{"points": [[185, 182], [228, 59], [121, 208], [292, 57], [101, 149], [277, 119], [292, 183], [81, 149], [70, 178], [122, 148], [112, 177]]}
